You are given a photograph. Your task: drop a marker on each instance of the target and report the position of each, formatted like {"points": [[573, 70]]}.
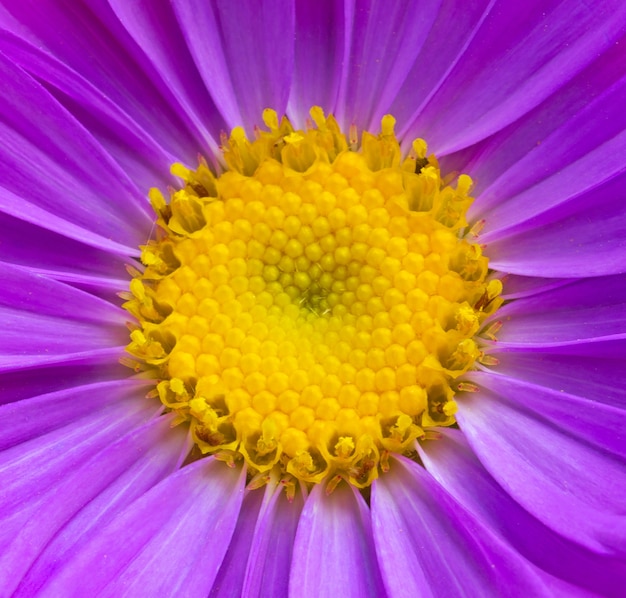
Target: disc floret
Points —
{"points": [[315, 306]]}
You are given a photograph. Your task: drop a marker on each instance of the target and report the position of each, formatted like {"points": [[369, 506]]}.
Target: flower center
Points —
{"points": [[312, 308]]}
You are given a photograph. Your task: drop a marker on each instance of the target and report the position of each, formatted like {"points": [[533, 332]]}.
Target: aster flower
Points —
{"points": [[481, 450]]}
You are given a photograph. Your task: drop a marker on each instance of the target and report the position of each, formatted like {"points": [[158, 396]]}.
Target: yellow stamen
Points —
{"points": [[311, 309]]}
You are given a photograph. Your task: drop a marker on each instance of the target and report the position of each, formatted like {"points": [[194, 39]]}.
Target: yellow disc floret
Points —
{"points": [[312, 308]]}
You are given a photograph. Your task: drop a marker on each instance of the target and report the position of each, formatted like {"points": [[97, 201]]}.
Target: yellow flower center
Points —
{"points": [[312, 308]]}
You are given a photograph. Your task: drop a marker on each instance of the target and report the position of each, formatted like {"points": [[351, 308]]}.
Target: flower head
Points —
{"points": [[261, 339]]}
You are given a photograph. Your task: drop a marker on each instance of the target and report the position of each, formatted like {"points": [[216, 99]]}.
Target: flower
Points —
{"points": [[103, 493]]}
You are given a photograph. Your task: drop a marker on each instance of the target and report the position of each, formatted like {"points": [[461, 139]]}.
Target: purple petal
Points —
{"points": [[429, 545], [31, 470], [512, 65], [602, 348], [322, 29], [152, 25], [39, 463], [524, 286], [105, 55], [230, 577], [334, 551], [453, 464], [578, 118], [24, 383], [54, 253], [573, 486], [44, 318], [145, 157], [269, 563], [12, 363], [585, 309], [30, 293], [172, 540], [586, 236], [105, 485], [200, 29], [598, 377], [34, 217], [579, 142], [24, 420], [596, 423], [57, 166], [385, 40], [456, 24], [256, 42]]}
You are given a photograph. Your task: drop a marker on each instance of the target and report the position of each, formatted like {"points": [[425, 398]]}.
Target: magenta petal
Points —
{"points": [[453, 464], [587, 373], [320, 51], [521, 54], [31, 470], [257, 41], [230, 577], [429, 545], [31, 418], [56, 165], [103, 486], [584, 309], [385, 41], [269, 563], [45, 320], [152, 25], [170, 541], [334, 551], [553, 468]]}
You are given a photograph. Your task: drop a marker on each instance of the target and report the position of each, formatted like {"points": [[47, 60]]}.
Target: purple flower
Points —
{"points": [[101, 493]]}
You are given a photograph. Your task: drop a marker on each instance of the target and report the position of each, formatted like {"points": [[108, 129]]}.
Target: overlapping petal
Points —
{"points": [[75, 178], [49, 322], [144, 156], [591, 370], [378, 57], [452, 462], [511, 65], [429, 545], [582, 310], [223, 36], [124, 472], [548, 452], [40, 472], [320, 55], [271, 552], [230, 577], [161, 532], [103, 53], [334, 536]]}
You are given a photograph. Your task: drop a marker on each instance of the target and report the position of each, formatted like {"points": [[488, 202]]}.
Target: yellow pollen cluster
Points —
{"points": [[311, 309]]}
